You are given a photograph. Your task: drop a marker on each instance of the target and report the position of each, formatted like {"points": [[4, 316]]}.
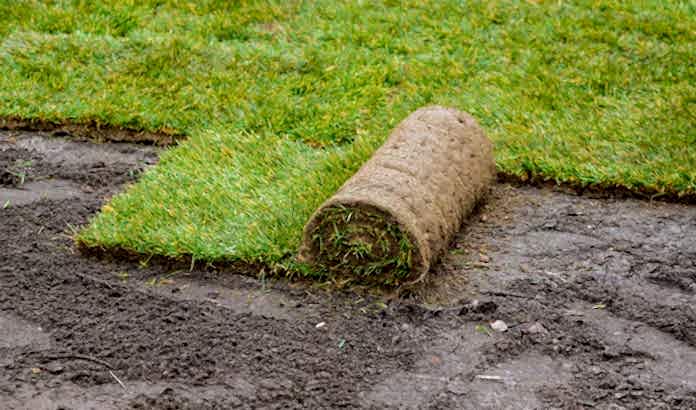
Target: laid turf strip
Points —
{"points": [[392, 219], [282, 101]]}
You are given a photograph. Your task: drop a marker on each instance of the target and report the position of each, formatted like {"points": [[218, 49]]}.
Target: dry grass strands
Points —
{"points": [[390, 222]]}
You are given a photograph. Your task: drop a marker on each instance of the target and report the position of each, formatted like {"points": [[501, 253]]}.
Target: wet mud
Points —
{"points": [[597, 295]]}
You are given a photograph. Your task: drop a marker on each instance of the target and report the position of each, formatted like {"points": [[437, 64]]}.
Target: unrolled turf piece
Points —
{"points": [[390, 221]]}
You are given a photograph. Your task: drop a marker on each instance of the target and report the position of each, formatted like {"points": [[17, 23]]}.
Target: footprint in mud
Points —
{"points": [[670, 360], [451, 366]]}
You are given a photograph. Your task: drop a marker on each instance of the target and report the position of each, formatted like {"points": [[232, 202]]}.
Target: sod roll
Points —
{"points": [[389, 223]]}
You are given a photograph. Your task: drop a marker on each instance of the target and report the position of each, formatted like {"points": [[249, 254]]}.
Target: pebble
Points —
{"points": [[499, 326], [537, 327], [320, 325]]}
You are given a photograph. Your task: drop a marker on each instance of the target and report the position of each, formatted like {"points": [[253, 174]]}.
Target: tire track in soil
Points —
{"points": [[540, 260]]}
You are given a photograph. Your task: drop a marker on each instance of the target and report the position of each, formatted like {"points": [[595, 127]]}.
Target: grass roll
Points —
{"points": [[391, 221]]}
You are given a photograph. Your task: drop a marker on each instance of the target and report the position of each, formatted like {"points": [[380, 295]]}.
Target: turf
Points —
{"points": [[363, 244], [283, 101]]}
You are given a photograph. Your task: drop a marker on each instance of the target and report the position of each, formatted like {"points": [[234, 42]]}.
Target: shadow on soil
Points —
{"points": [[597, 296]]}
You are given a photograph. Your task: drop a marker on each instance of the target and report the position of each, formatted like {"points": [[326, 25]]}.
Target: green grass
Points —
{"points": [[282, 101]]}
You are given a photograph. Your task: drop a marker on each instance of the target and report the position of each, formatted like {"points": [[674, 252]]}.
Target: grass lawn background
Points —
{"points": [[283, 101]]}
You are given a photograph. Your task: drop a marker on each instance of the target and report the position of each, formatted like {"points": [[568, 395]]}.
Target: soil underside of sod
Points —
{"points": [[598, 295], [89, 131]]}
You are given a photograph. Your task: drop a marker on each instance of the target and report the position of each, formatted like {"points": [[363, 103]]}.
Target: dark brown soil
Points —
{"points": [[598, 296]]}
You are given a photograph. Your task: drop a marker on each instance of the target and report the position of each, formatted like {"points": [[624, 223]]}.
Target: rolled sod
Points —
{"points": [[391, 221]]}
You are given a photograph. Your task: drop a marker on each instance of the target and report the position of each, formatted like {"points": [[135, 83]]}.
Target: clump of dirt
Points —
{"points": [[597, 297]]}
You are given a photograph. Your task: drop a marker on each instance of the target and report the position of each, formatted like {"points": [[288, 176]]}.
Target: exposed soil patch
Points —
{"points": [[598, 296]]}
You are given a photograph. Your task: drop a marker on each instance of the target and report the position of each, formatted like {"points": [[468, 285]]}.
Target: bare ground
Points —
{"points": [[597, 294]]}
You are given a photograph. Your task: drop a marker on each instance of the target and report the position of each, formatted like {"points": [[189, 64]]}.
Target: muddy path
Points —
{"points": [[598, 296]]}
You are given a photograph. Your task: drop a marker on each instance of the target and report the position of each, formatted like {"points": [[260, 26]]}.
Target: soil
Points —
{"points": [[598, 296]]}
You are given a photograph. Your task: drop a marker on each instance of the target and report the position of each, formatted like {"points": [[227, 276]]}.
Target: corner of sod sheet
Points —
{"points": [[390, 221]]}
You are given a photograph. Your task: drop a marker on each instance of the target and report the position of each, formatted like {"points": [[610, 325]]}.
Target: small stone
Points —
{"points": [[537, 328], [484, 258], [499, 326], [320, 325]]}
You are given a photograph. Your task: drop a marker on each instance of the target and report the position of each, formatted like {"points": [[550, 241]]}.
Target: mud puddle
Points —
{"points": [[597, 296]]}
